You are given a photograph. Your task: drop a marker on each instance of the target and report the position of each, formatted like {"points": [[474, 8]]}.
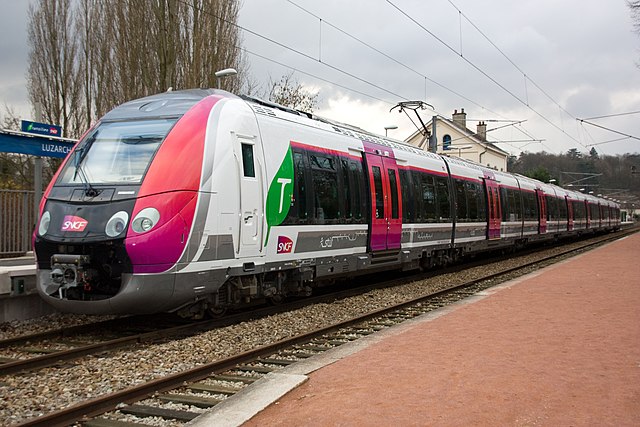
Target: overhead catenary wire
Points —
{"points": [[481, 71], [337, 69], [402, 64]]}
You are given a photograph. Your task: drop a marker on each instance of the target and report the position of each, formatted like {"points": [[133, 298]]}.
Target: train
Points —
{"points": [[200, 200]]}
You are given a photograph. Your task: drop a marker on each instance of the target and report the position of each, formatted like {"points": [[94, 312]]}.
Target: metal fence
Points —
{"points": [[17, 221]]}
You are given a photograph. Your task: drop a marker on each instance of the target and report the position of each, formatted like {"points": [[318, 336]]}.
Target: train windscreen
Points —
{"points": [[116, 152]]}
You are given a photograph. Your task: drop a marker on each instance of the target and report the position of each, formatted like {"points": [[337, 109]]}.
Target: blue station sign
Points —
{"points": [[20, 143], [41, 128]]}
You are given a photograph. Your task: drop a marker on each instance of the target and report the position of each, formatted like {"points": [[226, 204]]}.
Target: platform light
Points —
{"points": [[388, 128], [224, 73]]}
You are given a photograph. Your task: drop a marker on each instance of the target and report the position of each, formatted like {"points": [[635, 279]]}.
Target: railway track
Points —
{"points": [[61, 346], [209, 384]]}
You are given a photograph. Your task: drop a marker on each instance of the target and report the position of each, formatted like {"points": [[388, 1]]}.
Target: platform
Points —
{"points": [[557, 347], [19, 299]]}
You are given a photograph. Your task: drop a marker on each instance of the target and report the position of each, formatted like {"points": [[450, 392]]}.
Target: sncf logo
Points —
{"points": [[285, 245], [74, 223]]}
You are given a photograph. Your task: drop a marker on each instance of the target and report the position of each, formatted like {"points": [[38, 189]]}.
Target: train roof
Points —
{"points": [[166, 104]]}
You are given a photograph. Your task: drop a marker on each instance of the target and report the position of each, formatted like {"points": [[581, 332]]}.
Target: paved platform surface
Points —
{"points": [[559, 347]]}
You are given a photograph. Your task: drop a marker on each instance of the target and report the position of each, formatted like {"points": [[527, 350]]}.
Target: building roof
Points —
{"points": [[468, 133]]}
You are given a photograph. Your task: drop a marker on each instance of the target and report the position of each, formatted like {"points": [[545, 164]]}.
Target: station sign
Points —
{"points": [[34, 145], [41, 128]]}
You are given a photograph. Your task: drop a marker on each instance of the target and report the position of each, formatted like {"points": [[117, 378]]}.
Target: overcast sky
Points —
{"points": [[560, 61]]}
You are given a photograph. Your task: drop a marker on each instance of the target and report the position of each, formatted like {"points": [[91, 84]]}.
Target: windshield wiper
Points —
{"points": [[142, 139], [80, 154]]}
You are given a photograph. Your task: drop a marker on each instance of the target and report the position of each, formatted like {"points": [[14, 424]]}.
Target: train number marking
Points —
{"points": [[285, 245], [74, 223]]}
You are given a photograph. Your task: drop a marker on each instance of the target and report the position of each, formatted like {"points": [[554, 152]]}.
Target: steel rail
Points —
{"points": [[193, 327]]}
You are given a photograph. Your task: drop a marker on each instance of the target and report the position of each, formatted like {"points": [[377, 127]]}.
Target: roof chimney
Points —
{"points": [[459, 119], [482, 131]]}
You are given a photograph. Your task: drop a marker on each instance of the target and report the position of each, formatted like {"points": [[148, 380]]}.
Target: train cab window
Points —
{"points": [[116, 152], [247, 161], [379, 196], [393, 184]]}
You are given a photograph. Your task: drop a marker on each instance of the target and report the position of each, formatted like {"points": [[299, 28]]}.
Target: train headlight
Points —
{"points": [[117, 224], [45, 220], [145, 220]]}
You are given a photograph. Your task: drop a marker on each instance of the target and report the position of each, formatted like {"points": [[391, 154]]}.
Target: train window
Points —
{"points": [[393, 184], [298, 213], [504, 204], [551, 208], [359, 203], [516, 208], [417, 196], [379, 196], [579, 211], [408, 215], [247, 161], [347, 184], [116, 152], [529, 206], [444, 202], [428, 193], [462, 213], [325, 186], [562, 209], [475, 201], [595, 212]]}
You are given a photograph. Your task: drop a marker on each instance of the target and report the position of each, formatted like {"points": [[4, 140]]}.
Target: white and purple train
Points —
{"points": [[196, 201]]}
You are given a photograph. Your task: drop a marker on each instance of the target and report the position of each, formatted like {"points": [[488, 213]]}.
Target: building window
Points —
{"points": [[446, 142]]}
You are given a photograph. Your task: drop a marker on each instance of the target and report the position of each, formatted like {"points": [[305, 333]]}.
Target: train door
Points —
{"points": [[542, 212], [248, 155], [494, 214], [386, 210]]}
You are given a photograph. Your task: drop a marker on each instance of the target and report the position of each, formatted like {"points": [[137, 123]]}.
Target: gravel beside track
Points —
{"points": [[32, 394]]}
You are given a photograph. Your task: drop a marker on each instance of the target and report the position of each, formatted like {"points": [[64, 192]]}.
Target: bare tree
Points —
{"points": [[289, 92], [53, 74], [88, 56]]}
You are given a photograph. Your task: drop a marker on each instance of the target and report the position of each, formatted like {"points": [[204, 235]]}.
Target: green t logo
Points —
{"points": [[279, 194]]}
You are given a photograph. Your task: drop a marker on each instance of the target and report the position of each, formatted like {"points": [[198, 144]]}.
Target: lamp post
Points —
{"points": [[224, 73], [388, 128]]}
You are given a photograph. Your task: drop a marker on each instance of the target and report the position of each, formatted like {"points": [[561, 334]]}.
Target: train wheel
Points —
{"points": [[216, 312], [276, 299]]}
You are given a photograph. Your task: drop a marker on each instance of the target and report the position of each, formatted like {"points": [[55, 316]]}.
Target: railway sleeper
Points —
{"points": [[200, 402], [214, 389], [142, 411]]}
